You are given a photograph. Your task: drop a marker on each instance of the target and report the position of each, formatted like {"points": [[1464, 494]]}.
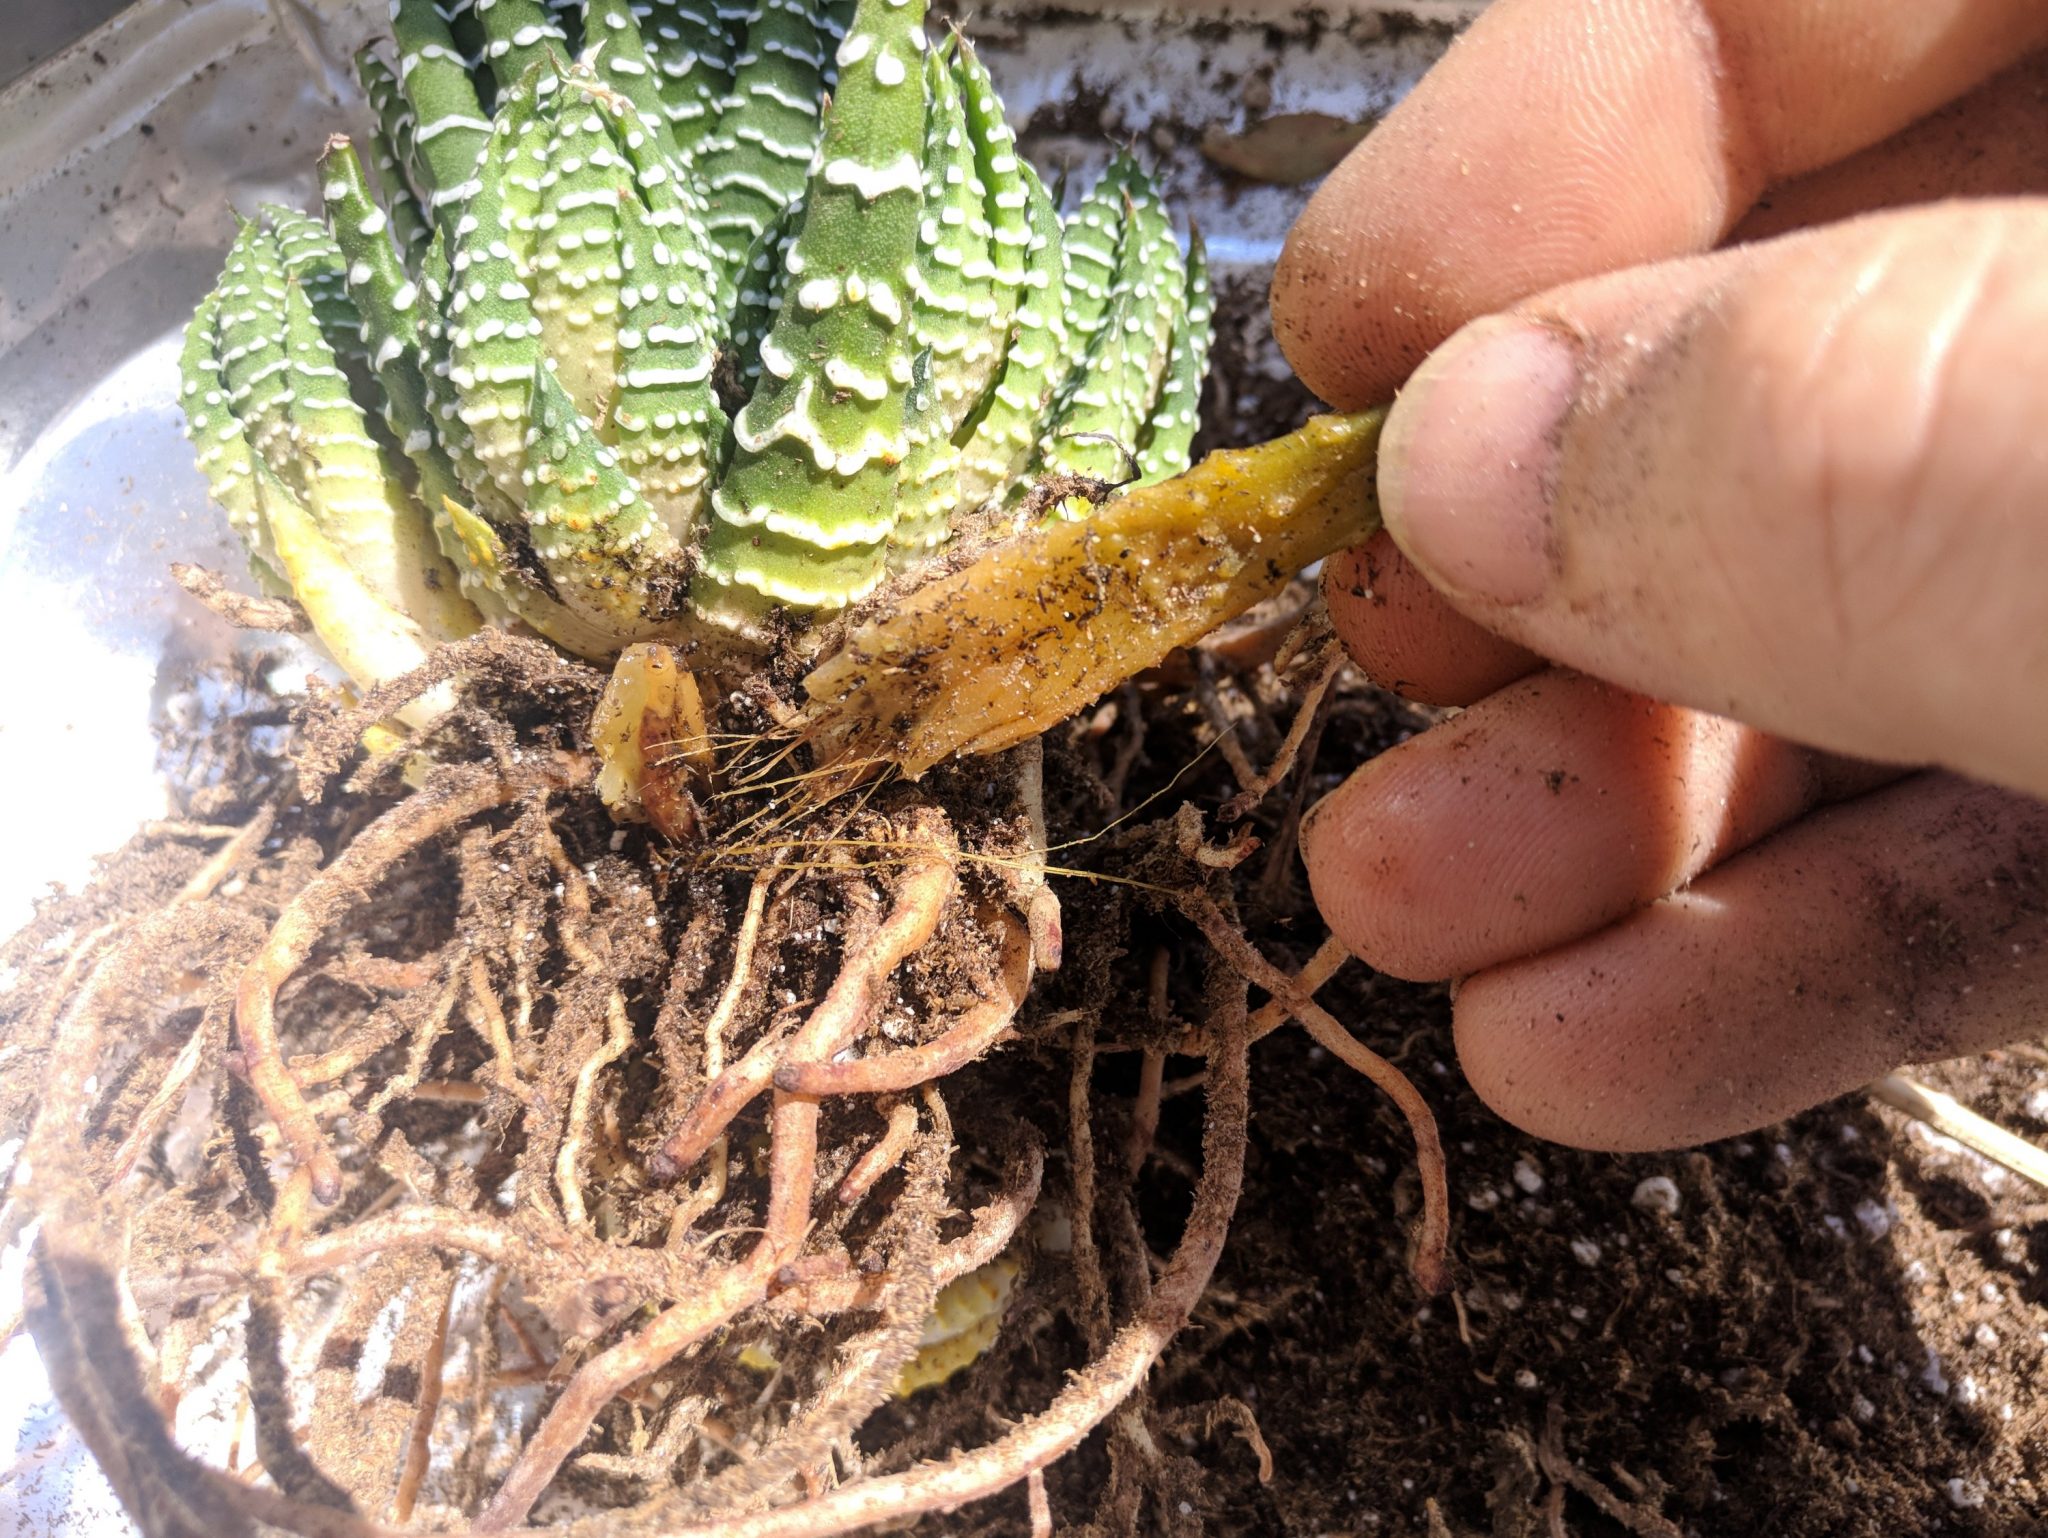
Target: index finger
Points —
{"points": [[1558, 139]]}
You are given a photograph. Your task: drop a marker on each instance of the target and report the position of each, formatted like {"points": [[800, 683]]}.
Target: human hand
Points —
{"points": [[1801, 484]]}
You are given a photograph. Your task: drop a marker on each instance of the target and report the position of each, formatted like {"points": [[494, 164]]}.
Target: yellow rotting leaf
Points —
{"points": [[368, 638], [963, 1323], [1044, 624], [964, 1319], [651, 736]]}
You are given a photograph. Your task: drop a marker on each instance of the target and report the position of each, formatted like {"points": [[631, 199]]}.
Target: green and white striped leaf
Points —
{"points": [[692, 52], [1165, 444], [754, 161], [803, 514], [392, 148], [450, 126]]}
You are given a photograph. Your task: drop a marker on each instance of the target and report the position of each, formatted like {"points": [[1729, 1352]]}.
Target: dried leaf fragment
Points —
{"points": [[653, 740], [1287, 149]]}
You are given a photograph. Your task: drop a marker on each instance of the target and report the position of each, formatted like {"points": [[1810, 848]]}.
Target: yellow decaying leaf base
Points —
{"points": [[651, 738], [1044, 624], [962, 1325], [965, 1317]]}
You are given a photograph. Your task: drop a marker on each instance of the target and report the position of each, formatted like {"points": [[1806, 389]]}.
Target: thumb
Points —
{"points": [[1803, 484]]}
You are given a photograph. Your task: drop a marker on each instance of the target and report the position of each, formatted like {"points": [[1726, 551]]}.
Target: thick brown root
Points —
{"points": [[1042, 1439]]}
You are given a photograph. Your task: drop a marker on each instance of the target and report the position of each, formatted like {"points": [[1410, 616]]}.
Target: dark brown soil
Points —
{"points": [[1836, 1326], [1840, 1330]]}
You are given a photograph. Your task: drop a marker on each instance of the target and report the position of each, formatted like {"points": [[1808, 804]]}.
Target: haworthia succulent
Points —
{"points": [[288, 452], [1092, 238], [616, 52], [313, 262], [953, 286], [763, 277], [388, 302], [219, 435], [370, 640], [1167, 438], [494, 328], [607, 552], [665, 415], [385, 299], [450, 127], [444, 406], [692, 53], [606, 224], [1033, 366], [953, 277], [1159, 302], [582, 290], [468, 35], [1126, 295], [802, 514], [252, 344], [1007, 210], [835, 21], [572, 269], [346, 485], [572, 20], [518, 35]]}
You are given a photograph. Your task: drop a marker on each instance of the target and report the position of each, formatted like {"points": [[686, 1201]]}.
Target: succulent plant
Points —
{"points": [[670, 322]]}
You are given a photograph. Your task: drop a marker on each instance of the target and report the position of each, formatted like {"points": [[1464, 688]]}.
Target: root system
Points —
{"points": [[413, 1148]]}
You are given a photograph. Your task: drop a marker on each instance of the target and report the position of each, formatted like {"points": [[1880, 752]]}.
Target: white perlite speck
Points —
{"points": [[1656, 1193], [1932, 1378]]}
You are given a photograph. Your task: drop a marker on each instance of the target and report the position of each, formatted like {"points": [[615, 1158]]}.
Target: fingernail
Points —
{"points": [[1468, 461]]}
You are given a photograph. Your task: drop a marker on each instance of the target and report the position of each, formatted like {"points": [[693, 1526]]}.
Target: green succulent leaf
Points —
{"points": [[1006, 428], [818, 448], [753, 162], [393, 151], [692, 54], [290, 455], [763, 278], [519, 36], [451, 130], [1167, 439]]}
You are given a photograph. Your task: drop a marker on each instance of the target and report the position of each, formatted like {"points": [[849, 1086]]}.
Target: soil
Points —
{"points": [[1835, 1326], [1840, 1328]]}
